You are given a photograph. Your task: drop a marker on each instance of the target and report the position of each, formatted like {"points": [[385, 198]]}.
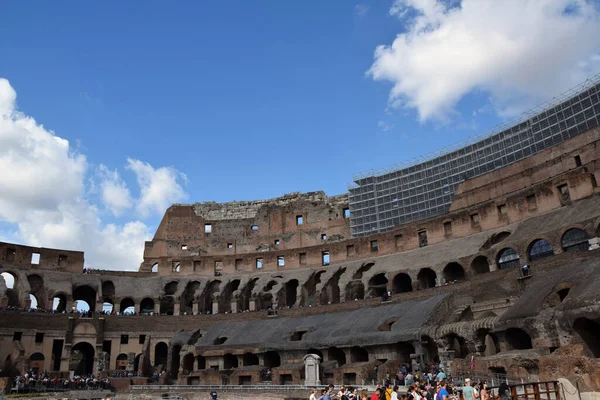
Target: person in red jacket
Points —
{"points": [[378, 395]]}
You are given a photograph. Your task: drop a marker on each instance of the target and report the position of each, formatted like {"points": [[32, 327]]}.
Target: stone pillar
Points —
{"points": [[195, 308], [103, 359], [157, 307], [446, 358], [311, 369], [99, 306], [234, 306], [137, 308], [252, 305], [415, 361], [176, 309], [215, 307], [130, 361]]}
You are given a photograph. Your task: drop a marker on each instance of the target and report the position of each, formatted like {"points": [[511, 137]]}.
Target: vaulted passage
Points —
{"points": [[161, 353], [589, 332], [188, 296], [82, 358], [575, 240], [378, 285], [87, 294], [539, 249], [330, 294], [508, 258], [402, 283], [427, 278], [518, 339], [336, 354], [454, 272], [480, 265], [355, 290], [358, 354]]}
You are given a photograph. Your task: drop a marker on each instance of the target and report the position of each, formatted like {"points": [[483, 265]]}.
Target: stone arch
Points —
{"points": [[430, 349], [147, 306], [33, 301], [518, 339], [378, 285], [288, 293], [108, 292], [508, 258], [36, 362], [87, 294], [36, 288], [539, 249], [454, 272], [121, 362], [161, 354], [575, 239], [427, 278], [59, 302], [363, 268], [249, 359], [127, 305], [246, 294], [188, 364], [358, 354], [330, 294], [355, 290], [167, 302], [154, 268], [402, 283], [226, 296], [336, 354], [480, 265], [11, 281], [588, 331], [206, 299], [272, 359], [188, 296], [309, 289], [83, 352], [458, 344]]}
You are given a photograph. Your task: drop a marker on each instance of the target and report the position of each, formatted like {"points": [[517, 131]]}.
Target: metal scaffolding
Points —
{"points": [[424, 187]]}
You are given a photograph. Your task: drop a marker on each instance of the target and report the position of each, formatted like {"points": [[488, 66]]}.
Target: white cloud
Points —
{"points": [[159, 187], [43, 193], [115, 194], [520, 51], [361, 9], [384, 126]]}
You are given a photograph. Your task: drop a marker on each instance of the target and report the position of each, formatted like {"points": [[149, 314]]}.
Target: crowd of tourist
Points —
{"points": [[36, 382]]}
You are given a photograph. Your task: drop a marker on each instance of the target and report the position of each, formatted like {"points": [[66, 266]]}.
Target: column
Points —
{"points": [[252, 305], [176, 309], [157, 307], [195, 308], [234, 306], [215, 307]]}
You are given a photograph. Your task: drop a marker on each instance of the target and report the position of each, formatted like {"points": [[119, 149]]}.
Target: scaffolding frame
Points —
{"points": [[424, 187]]}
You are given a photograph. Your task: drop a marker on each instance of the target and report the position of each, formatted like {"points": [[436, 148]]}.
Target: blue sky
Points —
{"points": [[254, 99]]}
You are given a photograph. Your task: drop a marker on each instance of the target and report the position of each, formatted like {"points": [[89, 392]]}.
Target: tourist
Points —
{"points": [[387, 391], [313, 395], [443, 393], [484, 394], [409, 379], [441, 375], [468, 391], [323, 393], [395, 393], [213, 395], [504, 391], [378, 395]]}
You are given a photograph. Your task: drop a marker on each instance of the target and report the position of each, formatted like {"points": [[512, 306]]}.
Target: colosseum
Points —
{"points": [[481, 258]]}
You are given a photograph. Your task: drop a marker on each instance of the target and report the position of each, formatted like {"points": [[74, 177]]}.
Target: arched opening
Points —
{"points": [[188, 364], [226, 296], [403, 352], [167, 302], [402, 283], [230, 361], [575, 240], [272, 359], [291, 288], [121, 362], [10, 281], [37, 292], [206, 300], [336, 354], [457, 343], [188, 297], [107, 308], [83, 354], [315, 351], [82, 306], [175, 360], [355, 290], [201, 362], [589, 330], [59, 303], [36, 362], [378, 285], [508, 258], [430, 349], [518, 339], [247, 294], [161, 354], [127, 306], [358, 354], [427, 278], [147, 306], [539, 249], [491, 345], [154, 267], [85, 295], [330, 294], [454, 272], [33, 301], [480, 265], [108, 292], [249, 359]]}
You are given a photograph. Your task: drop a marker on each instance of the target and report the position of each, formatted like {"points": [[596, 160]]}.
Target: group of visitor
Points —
{"points": [[32, 381]]}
